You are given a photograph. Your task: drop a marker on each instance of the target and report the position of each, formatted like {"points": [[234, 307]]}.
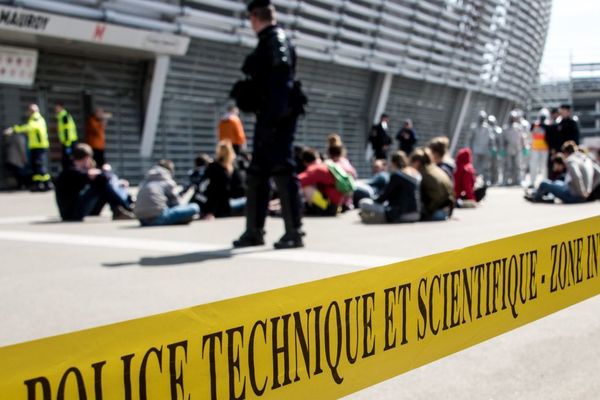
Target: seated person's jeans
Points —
{"points": [[559, 189], [181, 214], [96, 195], [439, 215]]}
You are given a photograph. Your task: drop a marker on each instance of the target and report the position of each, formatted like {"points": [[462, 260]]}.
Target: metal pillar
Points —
{"points": [[157, 89], [461, 120], [382, 97]]}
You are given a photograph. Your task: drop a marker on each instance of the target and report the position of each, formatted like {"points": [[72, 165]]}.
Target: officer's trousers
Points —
{"points": [[38, 166], [258, 196]]}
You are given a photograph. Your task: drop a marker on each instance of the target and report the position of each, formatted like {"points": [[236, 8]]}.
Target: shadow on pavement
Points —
{"points": [[188, 258]]}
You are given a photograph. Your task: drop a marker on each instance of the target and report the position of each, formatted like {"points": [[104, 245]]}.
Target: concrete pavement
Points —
{"points": [[60, 277]]}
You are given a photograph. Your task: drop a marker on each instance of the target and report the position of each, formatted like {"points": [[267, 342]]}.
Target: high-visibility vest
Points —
{"points": [[67, 131], [36, 130]]}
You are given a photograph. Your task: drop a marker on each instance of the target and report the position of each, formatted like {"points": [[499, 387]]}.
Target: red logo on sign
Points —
{"points": [[99, 32]]}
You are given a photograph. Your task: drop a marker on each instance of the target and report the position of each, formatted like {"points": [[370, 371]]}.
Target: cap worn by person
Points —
{"points": [[252, 4]]}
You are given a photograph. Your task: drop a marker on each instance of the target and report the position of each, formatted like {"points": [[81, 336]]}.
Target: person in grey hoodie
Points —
{"points": [[583, 178], [157, 200]]}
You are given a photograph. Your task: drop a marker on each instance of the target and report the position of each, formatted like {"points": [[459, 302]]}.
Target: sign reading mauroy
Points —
{"points": [[326, 338], [58, 26]]}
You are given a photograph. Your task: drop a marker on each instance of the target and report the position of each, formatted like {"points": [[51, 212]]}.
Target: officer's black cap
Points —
{"points": [[252, 4]]}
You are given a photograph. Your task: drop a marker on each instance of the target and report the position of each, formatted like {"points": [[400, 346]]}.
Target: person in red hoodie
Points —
{"points": [[464, 179], [318, 186]]}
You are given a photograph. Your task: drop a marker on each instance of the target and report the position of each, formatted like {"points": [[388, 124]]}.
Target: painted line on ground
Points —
{"points": [[113, 242]]}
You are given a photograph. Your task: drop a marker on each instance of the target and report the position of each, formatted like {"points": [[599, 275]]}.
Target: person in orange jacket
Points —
{"points": [[231, 129]]}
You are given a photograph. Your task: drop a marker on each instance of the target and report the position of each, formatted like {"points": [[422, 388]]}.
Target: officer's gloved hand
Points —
{"points": [[8, 131]]}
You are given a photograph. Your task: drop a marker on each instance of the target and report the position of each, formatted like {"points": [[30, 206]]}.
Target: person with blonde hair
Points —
{"points": [[337, 153], [225, 192]]}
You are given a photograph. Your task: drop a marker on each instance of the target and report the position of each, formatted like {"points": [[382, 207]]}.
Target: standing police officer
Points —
{"points": [[37, 141], [271, 66], [67, 133]]}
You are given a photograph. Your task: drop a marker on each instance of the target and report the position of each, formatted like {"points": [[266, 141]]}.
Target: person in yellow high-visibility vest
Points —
{"points": [[67, 133], [37, 140]]}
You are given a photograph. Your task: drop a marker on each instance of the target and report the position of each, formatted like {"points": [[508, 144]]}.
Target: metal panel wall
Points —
{"points": [[197, 90], [115, 85], [491, 46], [429, 106]]}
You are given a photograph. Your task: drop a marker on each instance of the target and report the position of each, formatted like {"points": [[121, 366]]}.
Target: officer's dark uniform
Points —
{"points": [[272, 66]]}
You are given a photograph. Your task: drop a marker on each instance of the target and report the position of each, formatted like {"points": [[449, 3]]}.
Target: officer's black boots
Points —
{"points": [[290, 210], [289, 241], [250, 238]]}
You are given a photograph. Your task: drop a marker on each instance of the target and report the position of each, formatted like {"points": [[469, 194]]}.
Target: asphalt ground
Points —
{"points": [[60, 277]]}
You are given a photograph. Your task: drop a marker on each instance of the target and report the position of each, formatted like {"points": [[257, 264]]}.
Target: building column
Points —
{"points": [[382, 97], [466, 101], [157, 89]]}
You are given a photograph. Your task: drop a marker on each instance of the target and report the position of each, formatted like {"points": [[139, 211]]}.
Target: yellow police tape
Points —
{"points": [[326, 338]]}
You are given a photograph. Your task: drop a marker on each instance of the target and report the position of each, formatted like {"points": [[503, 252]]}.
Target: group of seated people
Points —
{"points": [[82, 190], [576, 178], [423, 186]]}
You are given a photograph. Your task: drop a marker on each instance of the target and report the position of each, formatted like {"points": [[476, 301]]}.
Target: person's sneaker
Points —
{"points": [[121, 213], [249, 239], [289, 241]]}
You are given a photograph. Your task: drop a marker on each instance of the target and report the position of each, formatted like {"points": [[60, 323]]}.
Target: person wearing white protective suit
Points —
{"points": [[481, 142], [496, 152], [514, 143]]}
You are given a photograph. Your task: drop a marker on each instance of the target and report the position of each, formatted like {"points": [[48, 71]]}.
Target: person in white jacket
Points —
{"points": [[583, 178]]}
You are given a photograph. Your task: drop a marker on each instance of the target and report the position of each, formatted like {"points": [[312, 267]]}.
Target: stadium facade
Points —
{"points": [[164, 68]]}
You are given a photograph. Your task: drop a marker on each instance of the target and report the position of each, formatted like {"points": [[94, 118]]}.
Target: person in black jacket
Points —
{"points": [[82, 187], [406, 137], [380, 139], [400, 201], [567, 127], [553, 140], [225, 192], [271, 67]]}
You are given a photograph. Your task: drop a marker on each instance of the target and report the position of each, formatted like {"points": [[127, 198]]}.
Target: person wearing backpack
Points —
{"points": [[319, 185], [401, 199], [337, 153]]}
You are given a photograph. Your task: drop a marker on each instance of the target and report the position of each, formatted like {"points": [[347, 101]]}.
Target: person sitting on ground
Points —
{"points": [[401, 199], [559, 167], [437, 193], [225, 192], [157, 202], [439, 151], [81, 188], [372, 188], [195, 180], [464, 179], [318, 186], [582, 179], [337, 153]]}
